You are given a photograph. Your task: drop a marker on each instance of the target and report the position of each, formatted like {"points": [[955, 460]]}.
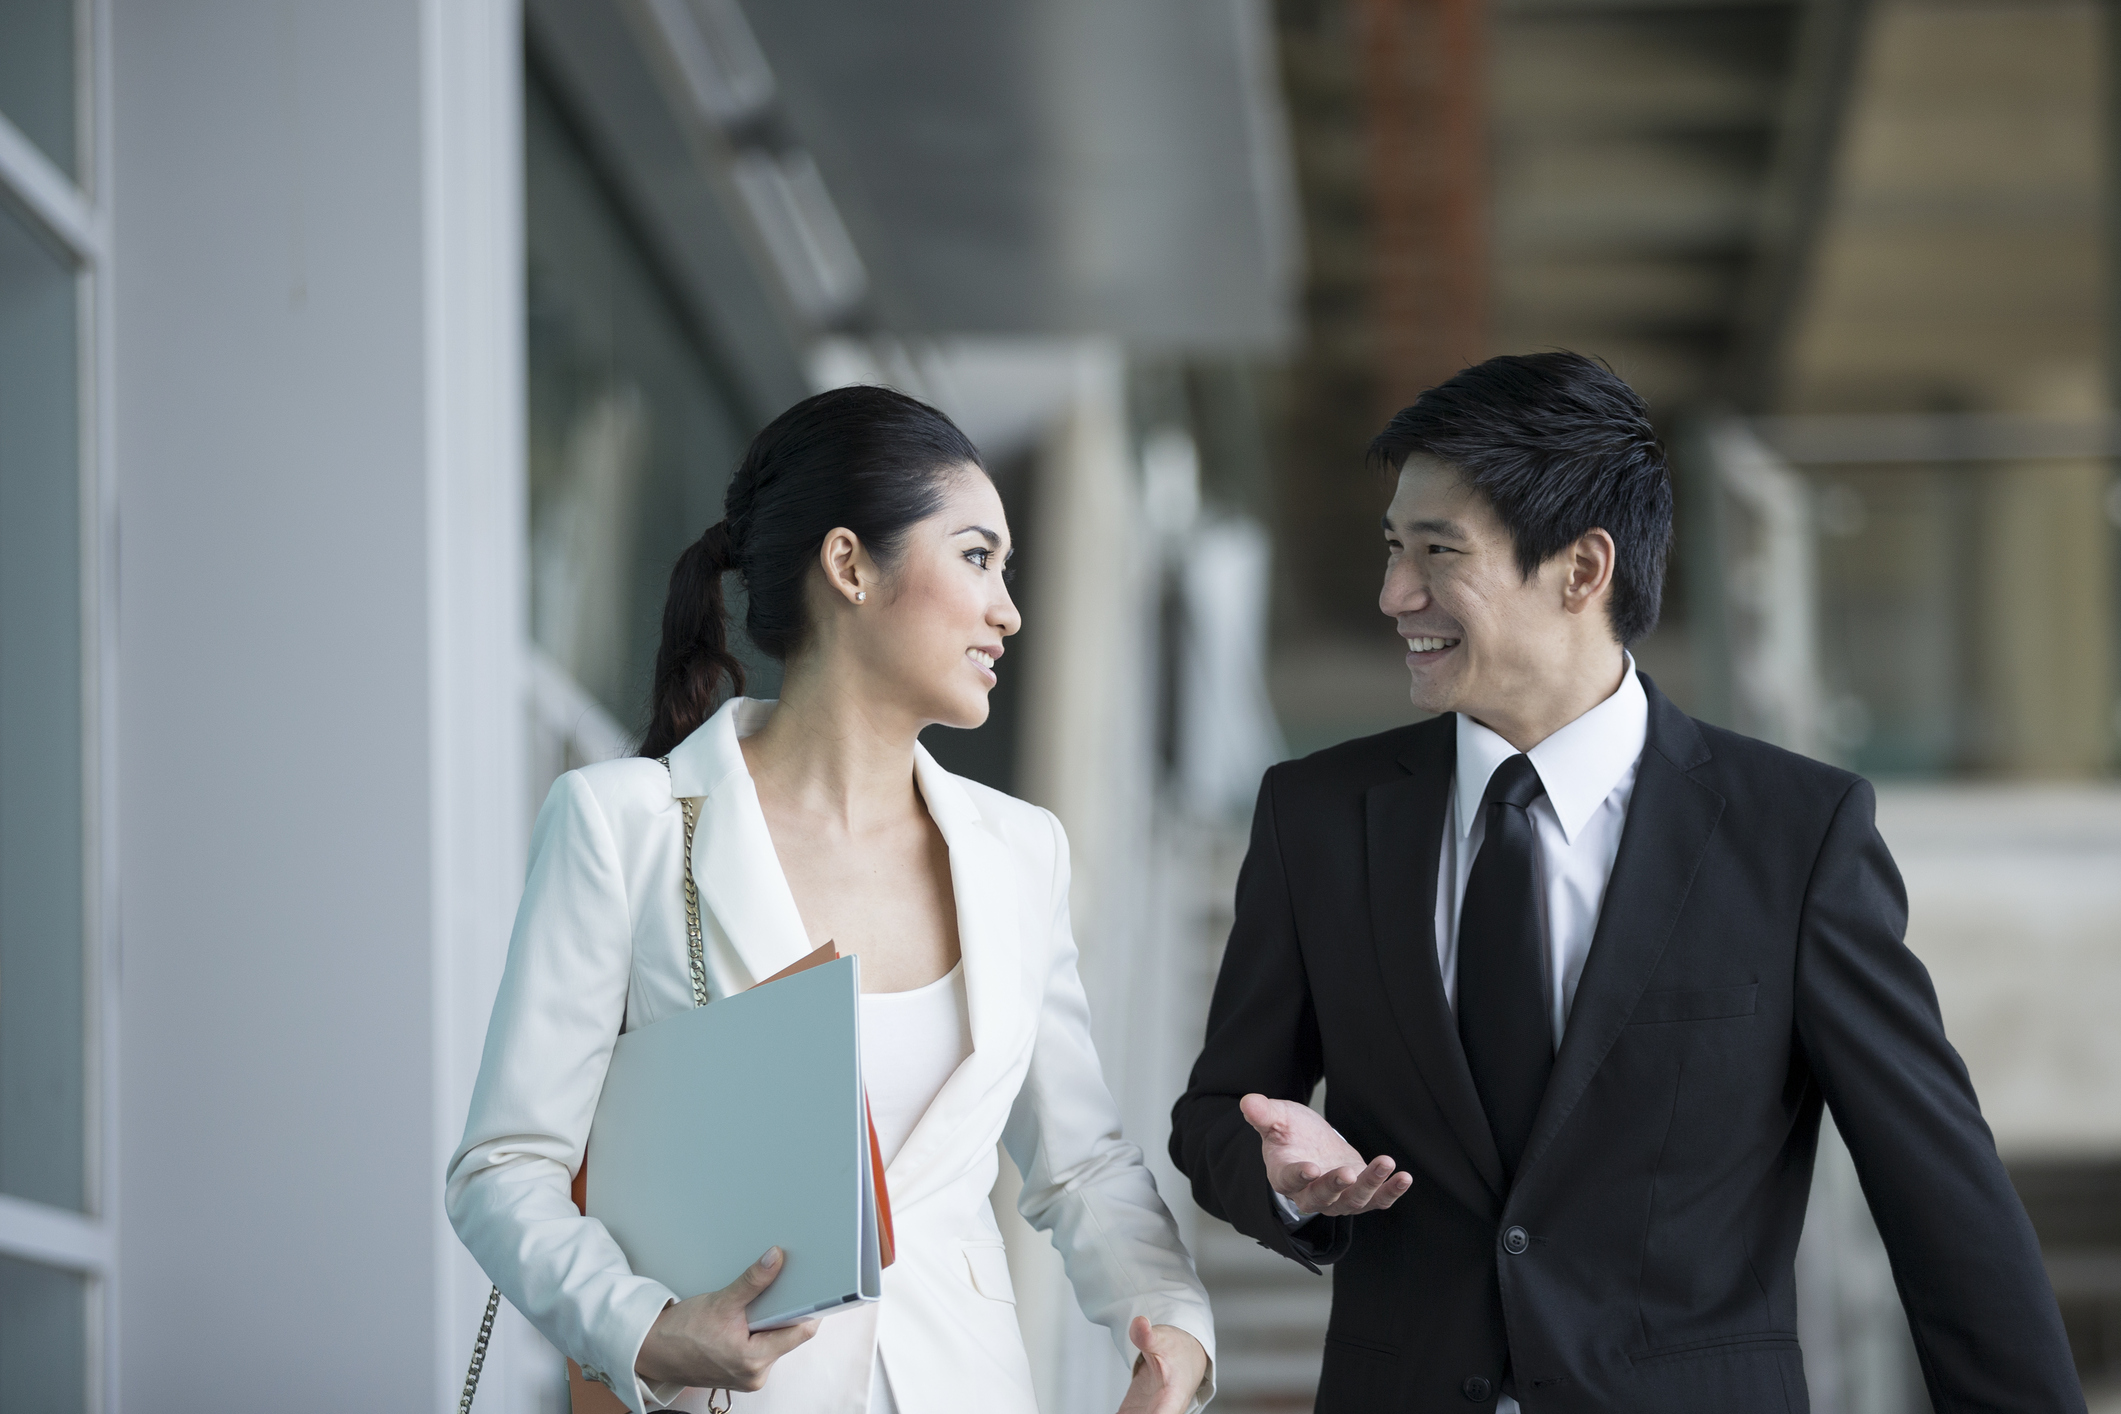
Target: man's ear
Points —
{"points": [[1589, 571]]}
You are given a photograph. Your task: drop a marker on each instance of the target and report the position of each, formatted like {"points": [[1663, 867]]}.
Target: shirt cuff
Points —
{"points": [[1291, 1218]]}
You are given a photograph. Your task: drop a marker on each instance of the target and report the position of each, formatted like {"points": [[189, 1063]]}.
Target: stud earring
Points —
{"points": [[860, 595]]}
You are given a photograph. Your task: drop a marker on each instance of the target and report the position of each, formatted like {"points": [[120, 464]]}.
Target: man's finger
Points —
{"points": [[1263, 1115], [1370, 1180], [1394, 1190]]}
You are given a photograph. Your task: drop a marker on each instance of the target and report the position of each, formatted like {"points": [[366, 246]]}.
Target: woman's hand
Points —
{"points": [[706, 1343], [1167, 1373]]}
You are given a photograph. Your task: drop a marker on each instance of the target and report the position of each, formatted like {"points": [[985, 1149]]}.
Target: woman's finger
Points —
{"points": [[779, 1342]]}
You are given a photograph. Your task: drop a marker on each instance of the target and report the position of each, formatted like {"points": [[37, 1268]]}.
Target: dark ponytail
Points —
{"points": [[870, 459]]}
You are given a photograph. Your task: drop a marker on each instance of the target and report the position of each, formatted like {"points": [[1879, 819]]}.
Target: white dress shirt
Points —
{"points": [[1588, 769]]}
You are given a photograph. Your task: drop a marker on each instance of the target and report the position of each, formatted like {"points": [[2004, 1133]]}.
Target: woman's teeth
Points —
{"points": [[1430, 645], [980, 658]]}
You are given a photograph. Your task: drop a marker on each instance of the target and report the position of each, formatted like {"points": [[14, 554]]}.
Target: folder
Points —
{"points": [[743, 1125]]}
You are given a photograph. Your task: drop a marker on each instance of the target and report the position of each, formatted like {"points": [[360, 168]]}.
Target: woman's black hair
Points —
{"points": [[870, 459]]}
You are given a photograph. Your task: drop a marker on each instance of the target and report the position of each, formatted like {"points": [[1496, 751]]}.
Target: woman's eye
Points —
{"points": [[979, 557]]}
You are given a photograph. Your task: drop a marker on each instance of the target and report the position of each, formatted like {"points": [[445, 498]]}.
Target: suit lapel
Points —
{"points": [[1671, 819], [1405, 824], [984, 885], [733, 860]]}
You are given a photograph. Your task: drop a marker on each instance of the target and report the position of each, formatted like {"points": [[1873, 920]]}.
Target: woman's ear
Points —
{"points": [[849, 572]]}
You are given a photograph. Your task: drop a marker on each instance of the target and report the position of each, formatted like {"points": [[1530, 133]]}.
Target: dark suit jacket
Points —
{"points": [[1747, 967]]}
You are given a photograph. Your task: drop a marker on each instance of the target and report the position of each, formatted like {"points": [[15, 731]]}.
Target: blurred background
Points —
{"points": [[364, 367]]}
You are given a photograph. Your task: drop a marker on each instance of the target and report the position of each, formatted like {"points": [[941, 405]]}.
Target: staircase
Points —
{"points": [[1270, 1323]]}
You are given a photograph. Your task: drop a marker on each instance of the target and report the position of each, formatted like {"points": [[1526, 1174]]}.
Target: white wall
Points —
{"points": [[320, 721]]}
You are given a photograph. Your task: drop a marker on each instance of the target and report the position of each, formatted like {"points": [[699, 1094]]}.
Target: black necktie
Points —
{"points": [[1502, 990]]}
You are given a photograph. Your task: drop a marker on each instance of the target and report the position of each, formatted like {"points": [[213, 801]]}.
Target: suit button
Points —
{"points": [[1477, 1389], [1516, 1240]]}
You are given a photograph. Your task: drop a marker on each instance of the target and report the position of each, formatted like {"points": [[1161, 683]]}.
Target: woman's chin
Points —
{"points": [[962, 711]]}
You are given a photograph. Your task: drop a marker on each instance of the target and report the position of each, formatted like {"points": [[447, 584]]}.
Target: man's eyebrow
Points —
{"points": [[994, 541], [1434, 527]]}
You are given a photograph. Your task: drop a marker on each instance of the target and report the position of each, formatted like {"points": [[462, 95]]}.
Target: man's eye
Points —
{"points": [[1442, 550]]}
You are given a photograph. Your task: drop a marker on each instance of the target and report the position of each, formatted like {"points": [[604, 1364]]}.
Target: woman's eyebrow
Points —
{"points": [[994, 541]]}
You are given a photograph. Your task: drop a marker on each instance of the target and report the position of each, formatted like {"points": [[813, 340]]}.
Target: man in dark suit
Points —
{"points": [[1579, 973]]}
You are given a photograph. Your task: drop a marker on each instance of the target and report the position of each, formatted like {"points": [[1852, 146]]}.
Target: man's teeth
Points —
{"points": [[1430, 645], [980, 658]]}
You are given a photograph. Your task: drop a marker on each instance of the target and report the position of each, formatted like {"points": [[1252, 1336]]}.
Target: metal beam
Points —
{"points": [[1829, 45]]}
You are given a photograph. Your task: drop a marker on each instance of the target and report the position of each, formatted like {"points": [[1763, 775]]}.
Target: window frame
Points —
{"points": [[73, 216]]}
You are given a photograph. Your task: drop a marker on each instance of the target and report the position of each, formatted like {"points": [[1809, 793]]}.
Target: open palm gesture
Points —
{"points": [[1313, 1167]]}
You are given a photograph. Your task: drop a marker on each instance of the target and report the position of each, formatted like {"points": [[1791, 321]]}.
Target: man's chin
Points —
{"points": [[1433, 698]]}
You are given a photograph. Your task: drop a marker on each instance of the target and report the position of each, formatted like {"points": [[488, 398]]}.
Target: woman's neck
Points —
{"points": [[828, 753]]}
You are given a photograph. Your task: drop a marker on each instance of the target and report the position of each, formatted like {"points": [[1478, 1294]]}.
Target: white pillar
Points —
{"points": [[318, 437]]}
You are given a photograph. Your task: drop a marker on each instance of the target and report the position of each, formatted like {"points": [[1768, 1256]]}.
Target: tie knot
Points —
{"points": [[1515, 782]]}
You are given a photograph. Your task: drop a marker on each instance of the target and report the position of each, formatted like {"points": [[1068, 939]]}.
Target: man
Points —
{"points": [[1579, 973]]}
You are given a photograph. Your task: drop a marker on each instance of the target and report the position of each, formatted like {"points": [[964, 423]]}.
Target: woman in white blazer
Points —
{"points": [[872, 547]]}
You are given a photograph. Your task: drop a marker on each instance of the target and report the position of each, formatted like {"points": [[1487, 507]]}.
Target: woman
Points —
{"points": [[872, 545]]}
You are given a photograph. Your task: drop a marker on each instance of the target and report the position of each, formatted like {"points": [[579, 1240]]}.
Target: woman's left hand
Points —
{"points": [[1167, 1373]]}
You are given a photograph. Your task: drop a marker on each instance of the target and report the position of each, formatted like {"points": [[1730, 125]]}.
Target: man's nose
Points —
{"points": [[1404, 591]]}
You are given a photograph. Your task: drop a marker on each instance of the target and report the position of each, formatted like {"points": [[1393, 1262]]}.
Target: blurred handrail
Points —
{"points": [[1839, 439]]}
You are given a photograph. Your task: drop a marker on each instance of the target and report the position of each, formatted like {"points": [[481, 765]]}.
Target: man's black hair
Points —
{"points": [[1559, 445]]}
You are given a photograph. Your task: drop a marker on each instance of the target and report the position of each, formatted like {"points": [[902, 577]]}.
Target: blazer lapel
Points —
{"points": [[984, 885], [1405, 820], [734, 865], [1671, 818]]}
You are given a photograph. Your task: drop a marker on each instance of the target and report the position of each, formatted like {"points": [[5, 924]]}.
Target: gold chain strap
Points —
{"points": [[717, 1400], [696, 942], [691, 806]]}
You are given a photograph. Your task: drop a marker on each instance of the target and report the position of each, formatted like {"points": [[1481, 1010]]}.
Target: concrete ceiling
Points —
{"points": [[1061, 166]]}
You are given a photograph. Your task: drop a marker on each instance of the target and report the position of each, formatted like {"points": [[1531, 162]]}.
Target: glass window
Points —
{"points": [[42, 989], [37, 78], [633, 432], [43, 1339]]}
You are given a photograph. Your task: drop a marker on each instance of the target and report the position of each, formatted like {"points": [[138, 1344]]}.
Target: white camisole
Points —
{"points": [[912, 1042]]}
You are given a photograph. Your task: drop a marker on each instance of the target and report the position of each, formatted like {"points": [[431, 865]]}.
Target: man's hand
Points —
{"points": [[1313, 1167], [706, 1343], [1167, 1373]]}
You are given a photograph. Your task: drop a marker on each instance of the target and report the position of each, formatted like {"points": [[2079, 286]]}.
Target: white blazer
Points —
{"points": [[600, 948]]}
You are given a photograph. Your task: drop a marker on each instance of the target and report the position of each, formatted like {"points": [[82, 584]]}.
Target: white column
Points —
{"points": [[318, 443]]}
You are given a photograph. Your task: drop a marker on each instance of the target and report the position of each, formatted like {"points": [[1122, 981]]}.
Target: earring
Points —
{"points": [[860, 595]]}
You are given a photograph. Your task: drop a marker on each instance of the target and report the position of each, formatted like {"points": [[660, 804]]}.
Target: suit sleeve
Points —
{"points": [[1084, 1184], [555, 1020], [1263, 1038], [1984, 1318]]}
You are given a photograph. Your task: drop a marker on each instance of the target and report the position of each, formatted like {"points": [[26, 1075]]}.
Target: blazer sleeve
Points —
{"points": [[561, 1003], [1084, 1184], [1262, 1038], [1984, 1318]]}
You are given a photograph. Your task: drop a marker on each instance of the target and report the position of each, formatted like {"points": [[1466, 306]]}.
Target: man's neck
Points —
{"points": [[1541, 709]]}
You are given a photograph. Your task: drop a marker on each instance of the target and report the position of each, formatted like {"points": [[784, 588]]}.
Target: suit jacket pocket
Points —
{"points": [[989, 1262], [1706, 1004]]}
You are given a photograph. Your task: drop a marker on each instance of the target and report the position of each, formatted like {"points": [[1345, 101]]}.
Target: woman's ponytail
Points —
{"points": [[693, 660]]}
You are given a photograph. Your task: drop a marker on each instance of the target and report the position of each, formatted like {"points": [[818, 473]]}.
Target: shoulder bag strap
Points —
{"points": [[696, 944]]}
